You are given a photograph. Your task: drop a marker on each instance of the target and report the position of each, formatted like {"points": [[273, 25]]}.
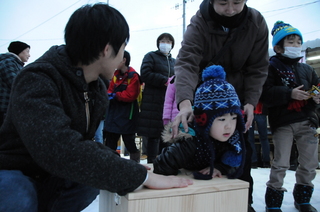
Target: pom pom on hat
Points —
{"points": [[17, 47], [281, 30], [212, 72]]}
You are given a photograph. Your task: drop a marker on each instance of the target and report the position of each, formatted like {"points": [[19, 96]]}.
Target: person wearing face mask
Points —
{"points": [[292, 105], [235, 36], [156, 69]]}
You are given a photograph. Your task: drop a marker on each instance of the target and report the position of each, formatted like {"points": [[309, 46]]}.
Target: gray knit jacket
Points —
{"points": [[46, 130]]}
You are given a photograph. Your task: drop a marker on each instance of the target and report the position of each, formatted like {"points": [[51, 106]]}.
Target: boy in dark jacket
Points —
{"points": [[292, 116], [123, 111], [216, 146], [49, 161]]}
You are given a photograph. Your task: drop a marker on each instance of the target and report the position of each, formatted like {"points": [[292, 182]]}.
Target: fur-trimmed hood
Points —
{"points": [[167, 134]]}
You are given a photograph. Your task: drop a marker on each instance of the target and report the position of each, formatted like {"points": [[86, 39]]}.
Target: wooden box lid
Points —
{"points": [[198, 187]]}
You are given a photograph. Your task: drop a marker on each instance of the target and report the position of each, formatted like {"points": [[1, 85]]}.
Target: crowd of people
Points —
{"points": [[198, 111]]}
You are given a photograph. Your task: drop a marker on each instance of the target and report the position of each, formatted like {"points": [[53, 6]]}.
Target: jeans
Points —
{"points": [[23, 194], [262, 125], [98, 136]]}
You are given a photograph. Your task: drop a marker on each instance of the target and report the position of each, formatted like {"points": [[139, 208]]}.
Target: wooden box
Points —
{"points": [[216, 195]]}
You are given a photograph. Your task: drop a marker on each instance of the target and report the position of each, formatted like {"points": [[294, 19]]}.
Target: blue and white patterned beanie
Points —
{"points": [[215, 97]]}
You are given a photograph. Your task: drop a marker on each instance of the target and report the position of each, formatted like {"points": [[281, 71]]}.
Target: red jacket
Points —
{"points": [[126, 86]]}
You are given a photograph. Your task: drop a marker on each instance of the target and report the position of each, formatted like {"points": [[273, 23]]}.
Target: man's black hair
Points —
{"points": [[90, 29], [128, 58], [165, 35]]}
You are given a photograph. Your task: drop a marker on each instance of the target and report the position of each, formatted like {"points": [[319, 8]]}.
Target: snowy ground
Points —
{"points": [[260, 177]]}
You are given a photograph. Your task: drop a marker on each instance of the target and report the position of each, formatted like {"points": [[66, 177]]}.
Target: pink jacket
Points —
{"points": [[170, 110]]}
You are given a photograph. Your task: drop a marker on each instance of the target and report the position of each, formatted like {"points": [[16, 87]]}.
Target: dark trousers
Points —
{"points": [[111, 140], [246, 176], [152, 148], [2, 116]]}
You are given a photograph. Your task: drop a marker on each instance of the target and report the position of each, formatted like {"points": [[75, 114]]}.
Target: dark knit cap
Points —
{"points": [[17, 47]]}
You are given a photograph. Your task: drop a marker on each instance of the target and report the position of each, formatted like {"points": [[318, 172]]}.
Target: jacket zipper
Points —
{"points": [[168, 66], [86, 98]]}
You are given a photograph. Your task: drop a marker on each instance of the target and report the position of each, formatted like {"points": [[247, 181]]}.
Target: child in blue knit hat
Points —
{"points": [[214, 145], [292, 116]]}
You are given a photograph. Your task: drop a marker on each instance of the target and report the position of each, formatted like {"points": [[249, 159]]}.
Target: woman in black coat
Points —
{"points": [[156, 68]]}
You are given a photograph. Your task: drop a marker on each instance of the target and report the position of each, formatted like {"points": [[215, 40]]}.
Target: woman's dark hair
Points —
{"points": [[90, 29], [165, 35], [127, 56]]}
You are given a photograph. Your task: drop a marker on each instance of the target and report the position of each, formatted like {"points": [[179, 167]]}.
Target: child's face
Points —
{"points": [[223, 127], [290, 41], [228, 8]]}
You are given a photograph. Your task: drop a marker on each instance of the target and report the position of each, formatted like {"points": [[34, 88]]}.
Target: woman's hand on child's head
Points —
{"points": [[248, 111], [184, 116]]}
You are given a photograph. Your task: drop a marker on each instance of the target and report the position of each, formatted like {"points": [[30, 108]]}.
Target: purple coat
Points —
{"points": [[170, 110]]}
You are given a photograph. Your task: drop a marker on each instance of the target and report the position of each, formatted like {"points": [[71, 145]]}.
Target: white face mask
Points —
{"points": [[165, 48], [292, 52]]}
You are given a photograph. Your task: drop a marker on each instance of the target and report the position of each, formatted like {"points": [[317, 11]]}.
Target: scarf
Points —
{"points": [[229, 22]]}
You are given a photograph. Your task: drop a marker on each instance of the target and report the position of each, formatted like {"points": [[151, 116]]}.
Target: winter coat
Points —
{"points": [[123, 109], [10, 65], [155, 71], [245, 61], [170, 110], [47, 132], [277, 96], [193, 152]]}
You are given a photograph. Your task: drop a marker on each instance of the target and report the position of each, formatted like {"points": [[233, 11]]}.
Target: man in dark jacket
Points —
{"points": [[230, 34], [10, 65], [49, 161]]}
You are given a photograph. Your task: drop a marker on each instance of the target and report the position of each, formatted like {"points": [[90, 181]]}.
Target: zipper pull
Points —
{"points": [[86, 98]]}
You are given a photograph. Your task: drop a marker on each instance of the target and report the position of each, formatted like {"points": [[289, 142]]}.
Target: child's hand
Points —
{"points": [[316, 98], [205, 171], [299, 94], [216, 173]]}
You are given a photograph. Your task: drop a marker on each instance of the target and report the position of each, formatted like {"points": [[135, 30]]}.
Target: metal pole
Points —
{"points": [[184, 16]]}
